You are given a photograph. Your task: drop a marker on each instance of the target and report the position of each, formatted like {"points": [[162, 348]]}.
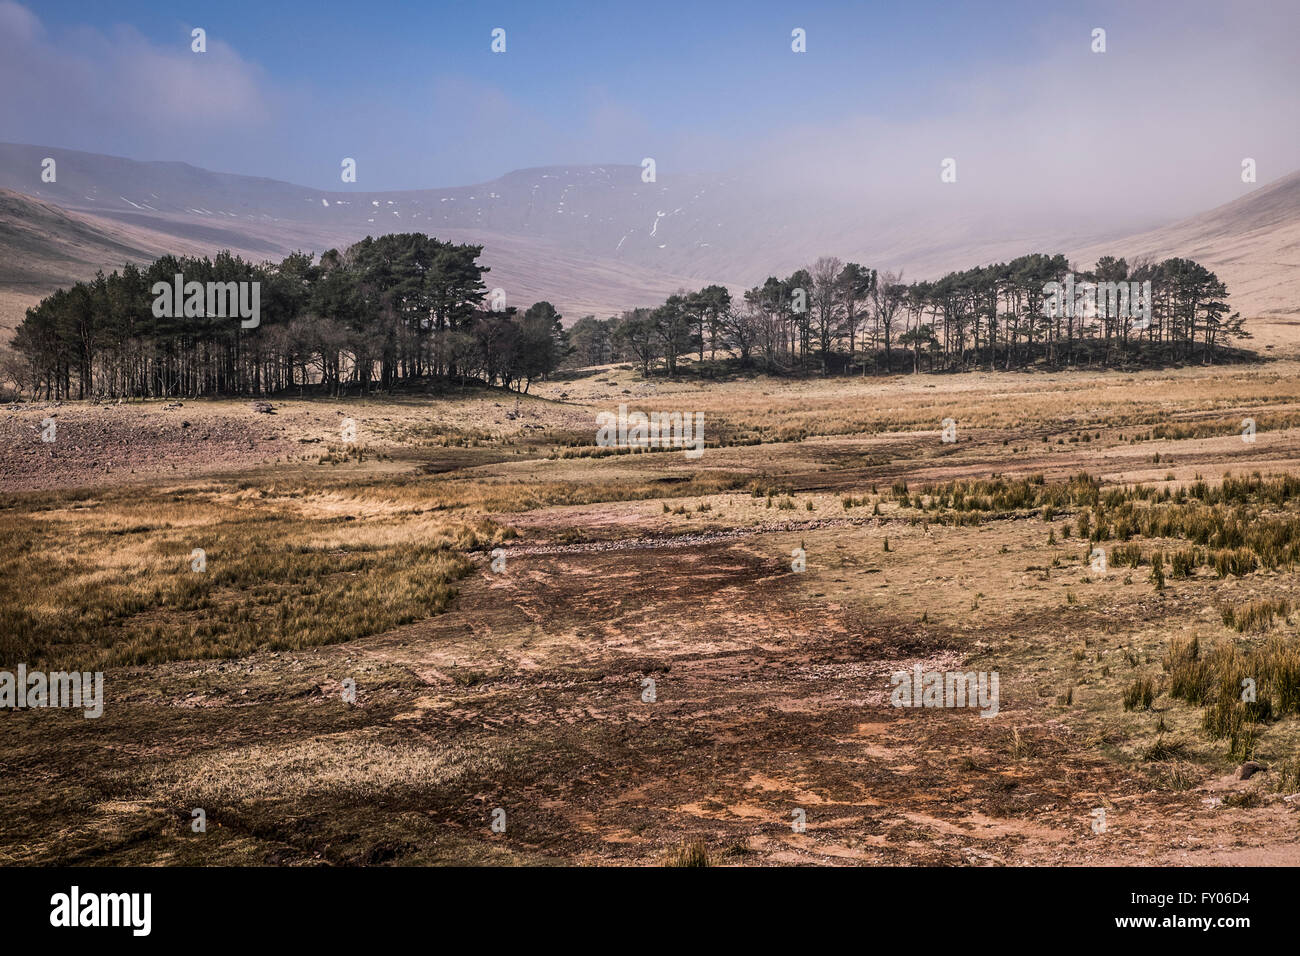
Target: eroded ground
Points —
{"points": [[529, 693]]}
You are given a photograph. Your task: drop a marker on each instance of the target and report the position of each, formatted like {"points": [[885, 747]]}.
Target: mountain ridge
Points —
{"points": [[592, 239]]}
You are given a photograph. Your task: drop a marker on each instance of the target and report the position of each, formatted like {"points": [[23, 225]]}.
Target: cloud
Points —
{"points": [[117, 92], [18, 23], [1153, 128], [1044, 132]]}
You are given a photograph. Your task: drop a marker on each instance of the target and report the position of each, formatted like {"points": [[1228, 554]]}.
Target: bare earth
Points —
{"points": [[770, 686]]}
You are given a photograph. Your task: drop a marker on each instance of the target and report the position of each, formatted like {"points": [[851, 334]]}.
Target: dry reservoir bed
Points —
{"points": [[614, 658]]}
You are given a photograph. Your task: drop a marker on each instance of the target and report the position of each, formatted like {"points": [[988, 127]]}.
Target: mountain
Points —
{"points": [[591, 239], [43, 247], [583, 237], [1251, 243]]}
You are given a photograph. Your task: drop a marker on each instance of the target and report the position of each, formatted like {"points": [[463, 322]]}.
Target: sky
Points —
{"points": [[1157, 124]]}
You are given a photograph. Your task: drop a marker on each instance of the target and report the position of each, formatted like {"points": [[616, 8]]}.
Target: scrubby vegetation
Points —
{"points": [[1240, 687], [126, 584]]}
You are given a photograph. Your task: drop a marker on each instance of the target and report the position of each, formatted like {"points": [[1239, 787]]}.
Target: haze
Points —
{"points": [[1045, 132]]}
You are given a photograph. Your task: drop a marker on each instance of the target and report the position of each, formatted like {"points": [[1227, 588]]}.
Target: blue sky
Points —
{"points": [[607, 72], [667, 58], [413, 92]]}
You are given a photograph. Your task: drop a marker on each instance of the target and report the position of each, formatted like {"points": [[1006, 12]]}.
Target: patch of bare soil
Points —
{"points": [[770, 708], [646, 672], [55, 445], [614, 703]]}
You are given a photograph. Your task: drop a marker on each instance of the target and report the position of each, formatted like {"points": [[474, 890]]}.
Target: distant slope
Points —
{"points": [[595, 211], [1251, 243], [43, 247], [591, 239], [692, 227]]}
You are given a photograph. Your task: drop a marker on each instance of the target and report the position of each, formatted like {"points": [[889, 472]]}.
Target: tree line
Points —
{"points": [[381, 312], [407, 307], [835, 317]]}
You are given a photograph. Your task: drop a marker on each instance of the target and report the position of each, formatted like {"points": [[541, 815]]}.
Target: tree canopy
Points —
{"points": [[380, 312]]}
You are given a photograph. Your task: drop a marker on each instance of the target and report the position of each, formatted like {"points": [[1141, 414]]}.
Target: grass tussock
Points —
{"points": [[1164, 749], [1241, 688], [1254, 615], [1233, 528], [1140, 695], [689, 853]]}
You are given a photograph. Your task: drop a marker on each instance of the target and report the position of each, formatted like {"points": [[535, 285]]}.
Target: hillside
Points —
{"points": [[43, 247], [591, 239], [1252, 243]]}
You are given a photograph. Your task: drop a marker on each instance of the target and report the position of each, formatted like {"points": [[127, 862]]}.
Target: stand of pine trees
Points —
{"points": [[835, 317], [381, 312], [407, 307]]}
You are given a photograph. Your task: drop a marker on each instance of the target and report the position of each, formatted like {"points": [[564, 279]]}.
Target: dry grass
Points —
{"points": [[691, 853], [113, 582], [523, 690], [361, 766], [1241, 688]]}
